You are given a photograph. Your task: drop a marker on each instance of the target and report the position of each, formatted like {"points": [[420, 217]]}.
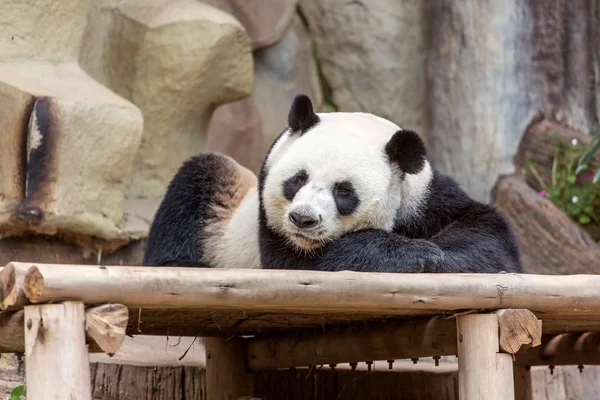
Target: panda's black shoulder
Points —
{"points": [[173, 236], [445, 203]]}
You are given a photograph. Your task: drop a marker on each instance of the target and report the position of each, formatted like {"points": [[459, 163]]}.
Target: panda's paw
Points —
{"points": [[422, 256]]}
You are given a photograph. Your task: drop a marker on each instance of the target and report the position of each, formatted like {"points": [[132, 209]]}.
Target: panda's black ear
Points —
{"points": [[406, 149], [302, 116]]}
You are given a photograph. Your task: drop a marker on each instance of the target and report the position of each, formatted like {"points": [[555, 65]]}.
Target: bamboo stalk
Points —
{"points": [[105, 328], [310, 291]]}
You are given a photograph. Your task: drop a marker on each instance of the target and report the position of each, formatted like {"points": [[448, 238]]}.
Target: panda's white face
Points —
{"points": [[336, 178]]}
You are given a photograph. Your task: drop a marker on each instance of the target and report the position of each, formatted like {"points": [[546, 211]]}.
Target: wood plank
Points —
{"points": [[56, 357], [310, 291], [424, 337]]}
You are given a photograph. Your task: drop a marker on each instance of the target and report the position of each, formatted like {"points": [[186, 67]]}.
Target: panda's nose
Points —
{"points": [[303, 221]]}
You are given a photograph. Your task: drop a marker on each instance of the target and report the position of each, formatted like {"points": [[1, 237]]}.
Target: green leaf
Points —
{"points": [[584, 219], [571, 179], [596, 175], [588, 209], [18, 393], [590, 152]]}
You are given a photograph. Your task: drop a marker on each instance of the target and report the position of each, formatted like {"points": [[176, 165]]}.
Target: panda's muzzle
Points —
{"points": [[304, 220]]}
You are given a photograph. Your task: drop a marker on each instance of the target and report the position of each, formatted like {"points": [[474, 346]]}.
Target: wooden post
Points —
{"points": [[483, 372], [523, 388], [56, 357], [226, 375]]}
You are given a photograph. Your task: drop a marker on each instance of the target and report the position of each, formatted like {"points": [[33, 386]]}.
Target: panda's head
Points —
{"points": [[333, 173]]}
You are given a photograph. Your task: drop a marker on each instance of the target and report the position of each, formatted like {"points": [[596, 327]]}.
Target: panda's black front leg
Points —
{"points": [[380, 251]]}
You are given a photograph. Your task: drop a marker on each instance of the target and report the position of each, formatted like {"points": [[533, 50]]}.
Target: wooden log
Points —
{"points": [[550, 241], [12, 335], [424, 337], [226, 374], [564, 349], [421, 337], [56, 357], [518, 328], [483, 372], [312, 292], [11, 278], [104, 325]]}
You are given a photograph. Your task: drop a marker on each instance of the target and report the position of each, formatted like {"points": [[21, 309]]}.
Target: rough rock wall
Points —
{"points": [[101, 103]]}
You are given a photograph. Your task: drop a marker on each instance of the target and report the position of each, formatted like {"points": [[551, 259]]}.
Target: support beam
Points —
{"points": [[483, 372], [226, 374], [104, 325], [577, 348], [12, 336], [522, 378], [422, 337], [56, 356], [518, 328], [311, 291]]}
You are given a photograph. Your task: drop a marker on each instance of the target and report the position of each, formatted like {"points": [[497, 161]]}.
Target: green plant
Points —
{"points": [[587, 155], [574, 190], [18, 393]]}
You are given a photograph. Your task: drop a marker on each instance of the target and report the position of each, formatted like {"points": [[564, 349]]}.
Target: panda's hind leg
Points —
{"points": [[200, 200]]}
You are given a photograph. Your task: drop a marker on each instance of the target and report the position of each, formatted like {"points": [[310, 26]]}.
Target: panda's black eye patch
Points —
{"points": [[292, 185], [346, 199]]}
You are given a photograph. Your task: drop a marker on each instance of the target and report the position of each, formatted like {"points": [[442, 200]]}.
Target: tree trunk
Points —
{"points": [[491, 67]]}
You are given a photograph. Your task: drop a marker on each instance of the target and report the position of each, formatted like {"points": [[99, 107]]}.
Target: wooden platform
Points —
{"points": [[269, 319]]}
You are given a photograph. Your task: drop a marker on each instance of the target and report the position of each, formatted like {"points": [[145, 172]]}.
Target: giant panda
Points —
{"points": [[336, 191]]}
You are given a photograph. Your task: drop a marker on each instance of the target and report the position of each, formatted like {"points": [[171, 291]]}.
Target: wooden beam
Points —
{"points": [[423, 337], [12, 335], [563, 349], [518, 328], [104, 325], [56, 357], [417, 337], [226, 374], [311, 291], [483, 372]]}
